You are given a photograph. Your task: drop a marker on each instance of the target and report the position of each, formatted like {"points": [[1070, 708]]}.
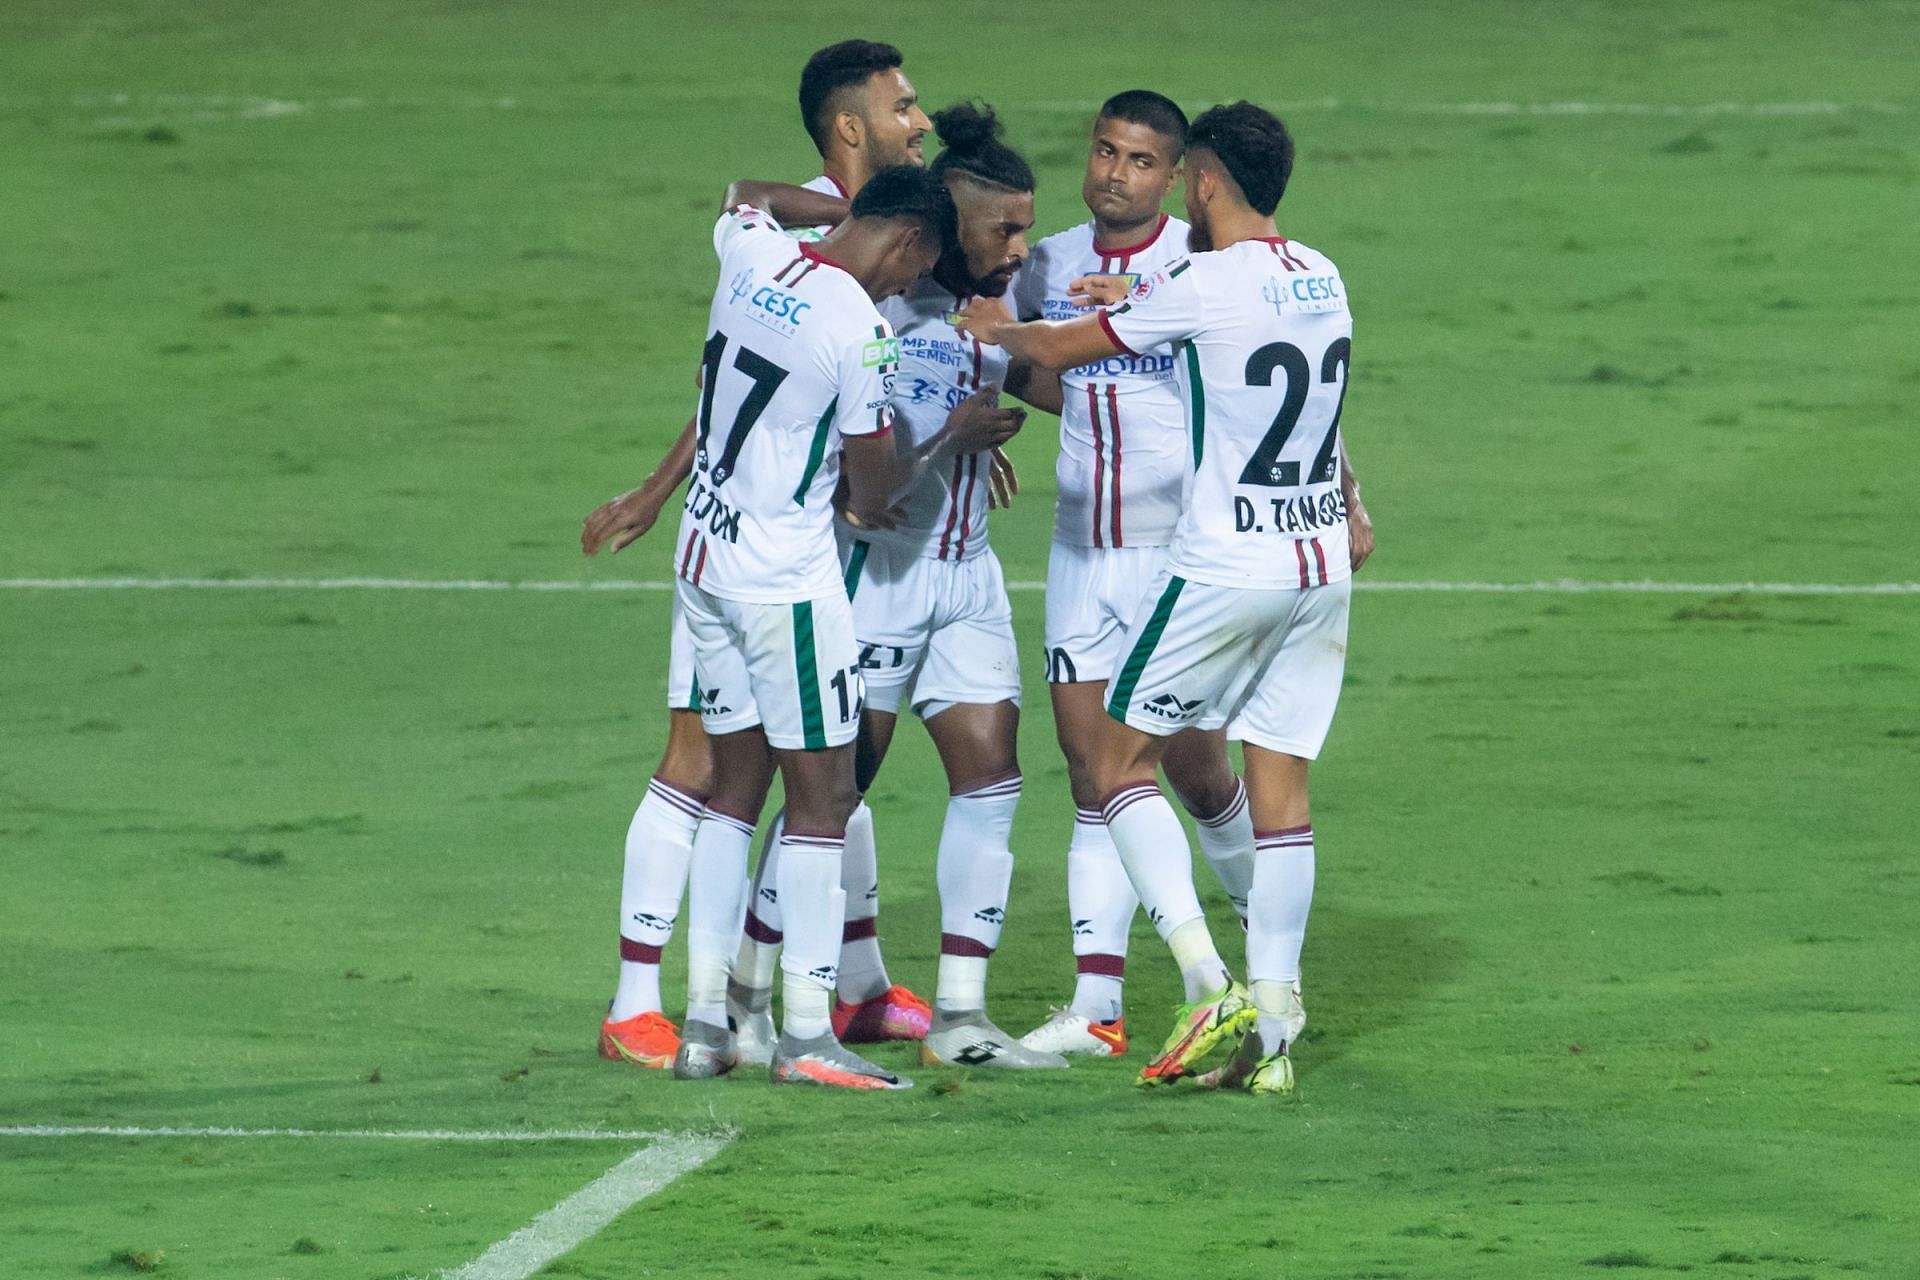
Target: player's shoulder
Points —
{"points": [[1064, 255]]}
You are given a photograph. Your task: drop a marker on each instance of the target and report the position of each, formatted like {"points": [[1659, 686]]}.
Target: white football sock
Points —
{"points": [[863, 974], [759, 953], [809, 871], [1226, 839], [652, 880], [1153, 848], [1275, 1023], [716, 888], [974, 871], [1282, 897], [1100, 904]]}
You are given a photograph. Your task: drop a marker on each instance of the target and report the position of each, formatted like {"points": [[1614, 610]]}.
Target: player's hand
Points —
{"points": [[1003, 481], [1098, 291], [621, 521], [983, 318], [843, 506], [978, 423], [1359, 533]]}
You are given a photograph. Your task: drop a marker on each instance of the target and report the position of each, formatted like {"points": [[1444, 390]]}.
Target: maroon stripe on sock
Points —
{"points": [[757, 930], [1105, 966], [999, 783], [638, 952], [1117, 803], [854, 930], [1227, 814], [680, 795], [1284, 831], [954, 944], [711, 814], [793, 834]]}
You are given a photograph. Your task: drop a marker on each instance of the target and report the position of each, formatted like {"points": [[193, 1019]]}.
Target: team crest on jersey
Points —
{"points": [[741, 284]]}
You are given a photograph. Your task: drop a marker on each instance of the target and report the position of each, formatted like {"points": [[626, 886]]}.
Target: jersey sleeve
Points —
{"points": [[1166, 307], [869, 362], [741, 220]]}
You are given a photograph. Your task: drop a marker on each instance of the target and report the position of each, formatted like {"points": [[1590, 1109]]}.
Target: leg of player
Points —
{"points": [[1277, 925], [869, 1007], [1197, 768], [820, 798], [974, 872], [653, 878], [1153, 847], [743, 771], [750, 984], [1100, 899]]}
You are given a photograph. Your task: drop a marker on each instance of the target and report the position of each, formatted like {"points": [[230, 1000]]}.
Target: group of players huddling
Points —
{"points": [[832, 564]]}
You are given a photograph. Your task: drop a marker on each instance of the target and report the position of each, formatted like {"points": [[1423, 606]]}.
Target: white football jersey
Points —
{"points": [[1124, 464], [939, 367], [827, 185], [1262, 339], [796, 358]]}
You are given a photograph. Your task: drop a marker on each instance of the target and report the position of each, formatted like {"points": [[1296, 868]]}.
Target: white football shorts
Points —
{"points": [[1092, 595], [931, 631], [791, 668], [1265, 665]]}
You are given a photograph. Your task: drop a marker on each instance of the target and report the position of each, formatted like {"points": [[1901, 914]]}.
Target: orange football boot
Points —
{"points": [[646, 1040]]}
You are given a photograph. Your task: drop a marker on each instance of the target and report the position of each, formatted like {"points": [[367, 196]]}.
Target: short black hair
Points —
{"points": [[836, 67], [1254, 146], [969, 134], [1154, 110], [908, 191]]}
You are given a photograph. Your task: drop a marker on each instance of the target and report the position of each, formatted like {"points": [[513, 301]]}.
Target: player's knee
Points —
{"points": [[687, 763], [1207, 793]]}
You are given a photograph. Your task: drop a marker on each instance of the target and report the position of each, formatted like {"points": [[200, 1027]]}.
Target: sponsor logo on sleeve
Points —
{"points": [[880, 351]]}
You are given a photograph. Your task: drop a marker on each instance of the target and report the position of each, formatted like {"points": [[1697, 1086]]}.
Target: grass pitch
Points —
{"points": [[1616, 891]]}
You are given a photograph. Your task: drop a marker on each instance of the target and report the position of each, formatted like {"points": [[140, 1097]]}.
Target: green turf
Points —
{"points": [[1609, 962]]}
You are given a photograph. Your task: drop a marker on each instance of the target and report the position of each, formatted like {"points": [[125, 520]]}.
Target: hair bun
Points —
{"points": [[966, 126]]}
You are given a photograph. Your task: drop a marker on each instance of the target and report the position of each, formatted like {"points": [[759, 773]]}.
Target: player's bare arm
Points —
{"points": [[790, 206], [1038, 387], [1047, 344], [1360, 524], [626, 519]]}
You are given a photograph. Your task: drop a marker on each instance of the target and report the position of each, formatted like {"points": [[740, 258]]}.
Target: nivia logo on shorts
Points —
{"points": [[710, 704], [1168, 707]]}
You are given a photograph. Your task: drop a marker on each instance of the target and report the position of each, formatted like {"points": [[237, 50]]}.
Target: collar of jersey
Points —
{"points": [[808, 251], [1131, 249]]}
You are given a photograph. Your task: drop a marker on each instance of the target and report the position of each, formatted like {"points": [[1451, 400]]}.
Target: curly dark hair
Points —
{"points": [[838, 66], [969, 134], [1253, 145], [908, 191]]}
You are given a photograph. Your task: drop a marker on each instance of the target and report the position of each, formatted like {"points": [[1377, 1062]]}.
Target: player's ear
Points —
{"points": [[850, 128]]}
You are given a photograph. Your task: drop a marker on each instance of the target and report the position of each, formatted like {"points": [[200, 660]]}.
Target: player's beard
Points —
{"points": [[996, 284], [1199, 235]]}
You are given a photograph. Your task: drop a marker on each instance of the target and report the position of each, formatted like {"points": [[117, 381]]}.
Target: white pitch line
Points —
{"points": [[557, 1231], [392, 1135], [583, 1214], [1553, 586]]}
